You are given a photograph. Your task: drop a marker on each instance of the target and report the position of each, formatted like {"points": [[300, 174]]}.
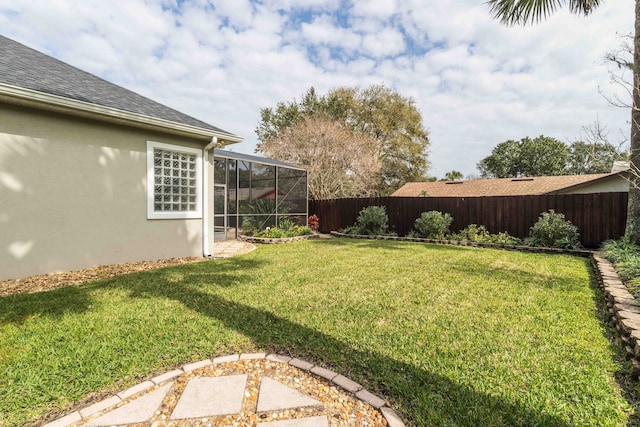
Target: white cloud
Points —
{"points": [[323, 31], [375, 9], [476, 82], [386, 42]]}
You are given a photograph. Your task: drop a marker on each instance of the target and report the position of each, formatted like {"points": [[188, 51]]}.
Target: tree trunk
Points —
{"points": [[632, 231]]}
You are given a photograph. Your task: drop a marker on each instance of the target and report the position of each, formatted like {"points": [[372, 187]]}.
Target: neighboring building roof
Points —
{"points": [[498, 187], [257, 159], [26, 68]]}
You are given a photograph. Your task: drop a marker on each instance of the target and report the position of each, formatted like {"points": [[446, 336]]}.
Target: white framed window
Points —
{"points": [[174, 181]]}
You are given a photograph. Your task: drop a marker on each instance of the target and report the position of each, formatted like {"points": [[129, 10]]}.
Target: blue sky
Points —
{"points": [[476, 82]]}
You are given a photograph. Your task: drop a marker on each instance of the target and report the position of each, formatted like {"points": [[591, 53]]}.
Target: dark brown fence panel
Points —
{"points": [[599, 216]]}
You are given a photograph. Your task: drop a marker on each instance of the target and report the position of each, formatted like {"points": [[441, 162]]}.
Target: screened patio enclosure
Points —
{"points": [[252, 193]]}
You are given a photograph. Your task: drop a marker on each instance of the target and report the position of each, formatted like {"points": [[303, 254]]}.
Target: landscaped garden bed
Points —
{"points": [[270, 240], [449, 335], [523, 248]]}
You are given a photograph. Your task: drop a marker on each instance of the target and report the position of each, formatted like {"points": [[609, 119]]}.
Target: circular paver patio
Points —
{"points": [[241, 390]]}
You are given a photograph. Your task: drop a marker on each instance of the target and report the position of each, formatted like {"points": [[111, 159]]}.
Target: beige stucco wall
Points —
{"points": [[73, 195], [610, 185]]}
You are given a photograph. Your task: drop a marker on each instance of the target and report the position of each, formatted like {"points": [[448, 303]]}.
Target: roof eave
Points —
{"points": [[44, 101], [590, 182]]}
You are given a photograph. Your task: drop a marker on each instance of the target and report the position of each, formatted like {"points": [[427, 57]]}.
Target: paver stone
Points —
{"points": [[211, 396], [274, 396], [137, 411]]}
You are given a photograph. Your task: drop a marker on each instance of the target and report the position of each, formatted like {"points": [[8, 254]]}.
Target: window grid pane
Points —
{"points": [[175, 179]]}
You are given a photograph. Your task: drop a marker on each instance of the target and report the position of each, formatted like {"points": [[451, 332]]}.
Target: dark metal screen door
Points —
{"points": [[219, 212]]}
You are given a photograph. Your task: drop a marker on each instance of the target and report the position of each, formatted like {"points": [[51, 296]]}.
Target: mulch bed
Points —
{"points": [[46, 282]]}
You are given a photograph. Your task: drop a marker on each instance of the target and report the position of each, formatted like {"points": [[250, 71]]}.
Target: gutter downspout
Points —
{"points": [[206, 249]]}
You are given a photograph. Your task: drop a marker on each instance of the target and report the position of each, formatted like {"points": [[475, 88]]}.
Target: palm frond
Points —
{"points": [[512, 12]]}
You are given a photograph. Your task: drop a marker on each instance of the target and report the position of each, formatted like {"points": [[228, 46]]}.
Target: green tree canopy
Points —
{"points": [[547, 156], [527, 157], [543, 156], [595, 157], [504, 161], [391, 119], [452, 176]]}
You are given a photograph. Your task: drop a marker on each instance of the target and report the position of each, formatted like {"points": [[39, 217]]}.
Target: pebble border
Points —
{"points": [[623, 310], [393, 420], [268, 240], [522, 248]]}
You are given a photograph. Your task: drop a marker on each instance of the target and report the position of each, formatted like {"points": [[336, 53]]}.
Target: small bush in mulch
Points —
{"points": [[553, 231], [432, 225], [314, 223], [285, 229], [480, 234], [371, 221]]}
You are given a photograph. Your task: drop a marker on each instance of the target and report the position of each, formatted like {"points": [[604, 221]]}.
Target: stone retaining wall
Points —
{"points": [[623, 310]]}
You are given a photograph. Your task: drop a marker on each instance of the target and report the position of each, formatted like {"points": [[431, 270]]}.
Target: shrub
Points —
{"points": [[285, 224], [302, 230], [352, 229], [504, 239], [480, 234], [629, 268], [279, 233], [373, 220], [474, 233], [314, 222], [619, 250], [249, 226], [625, 257], [433, 224], [414, 234], [271, 233], [553, 230]]}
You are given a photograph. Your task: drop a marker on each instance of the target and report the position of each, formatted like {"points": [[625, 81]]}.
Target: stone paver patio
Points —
{"points": [[241, 390]]}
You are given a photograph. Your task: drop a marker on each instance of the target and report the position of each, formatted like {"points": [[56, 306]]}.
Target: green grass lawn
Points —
{"points": [[450, 335]]}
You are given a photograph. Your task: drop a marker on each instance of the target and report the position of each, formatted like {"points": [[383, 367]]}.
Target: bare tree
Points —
{"points": [[593, 153], [339, 161], [622, 75]]}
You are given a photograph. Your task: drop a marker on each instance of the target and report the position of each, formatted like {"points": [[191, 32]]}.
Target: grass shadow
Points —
{"points": [[424, 397], [55, 303], [77, 298]]}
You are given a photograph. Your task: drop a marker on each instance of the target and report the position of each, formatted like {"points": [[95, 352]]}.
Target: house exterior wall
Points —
{"points": [[615, 184], [73, 195]]}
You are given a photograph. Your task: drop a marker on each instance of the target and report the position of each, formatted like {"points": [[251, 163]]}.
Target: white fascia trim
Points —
{"points": [[206, 247], [87, 107], [151, 213], [230, 157]]}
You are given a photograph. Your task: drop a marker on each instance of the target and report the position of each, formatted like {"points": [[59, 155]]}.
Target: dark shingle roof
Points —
{"points": [[27, 68]]}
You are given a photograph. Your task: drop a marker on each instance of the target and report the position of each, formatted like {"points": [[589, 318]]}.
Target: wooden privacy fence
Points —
{"points": [[599, 216]]}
